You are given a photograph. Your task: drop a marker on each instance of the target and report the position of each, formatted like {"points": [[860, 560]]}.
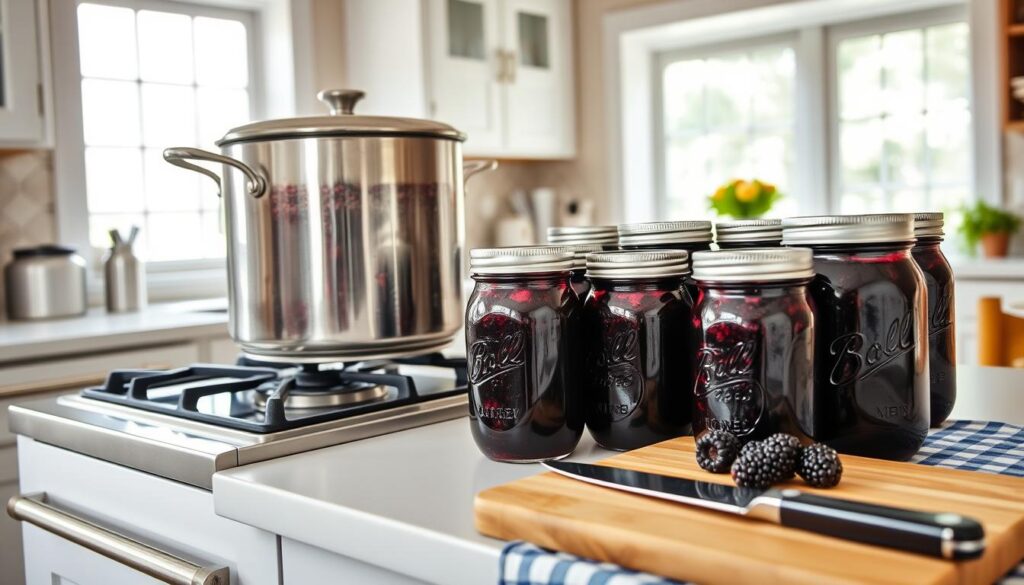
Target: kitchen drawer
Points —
{"points": [[164, 514], [23, 382]]}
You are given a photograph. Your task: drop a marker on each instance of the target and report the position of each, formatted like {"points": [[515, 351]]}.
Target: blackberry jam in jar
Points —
{"points": [[748, 233], [871, 369], [938, 277], [578, 275], [636, 328], [521, 327], [607, 236], [755, 350], [690, 236]]}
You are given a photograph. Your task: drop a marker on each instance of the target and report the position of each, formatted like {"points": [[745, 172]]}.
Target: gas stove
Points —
{"points": [[188, 423]]}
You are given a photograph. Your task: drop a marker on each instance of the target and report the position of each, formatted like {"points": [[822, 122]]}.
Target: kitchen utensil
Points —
{"points": [[45, 282], [124, 275], [943, 535], [345, 233], [543, 202], [691, 544]]}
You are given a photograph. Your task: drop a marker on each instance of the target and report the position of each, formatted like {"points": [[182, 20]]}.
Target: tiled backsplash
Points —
{"points": [[26, 200]]}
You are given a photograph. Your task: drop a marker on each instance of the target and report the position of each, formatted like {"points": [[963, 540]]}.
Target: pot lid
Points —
{"points": [[341, 122]]}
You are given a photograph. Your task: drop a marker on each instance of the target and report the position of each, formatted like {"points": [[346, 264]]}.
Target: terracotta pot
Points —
{"points": [[995, 245]]}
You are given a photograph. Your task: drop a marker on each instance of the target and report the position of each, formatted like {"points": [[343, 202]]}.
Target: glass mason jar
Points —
{"points": [[578, 275], [748, 233], [635, 323], [755, 326], [872, 336], [689, 236], [521, 331], [605, 235], [938, 277]]}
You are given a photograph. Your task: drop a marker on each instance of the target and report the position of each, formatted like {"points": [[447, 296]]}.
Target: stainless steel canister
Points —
{"points": [[45, 282], [345, 233]]}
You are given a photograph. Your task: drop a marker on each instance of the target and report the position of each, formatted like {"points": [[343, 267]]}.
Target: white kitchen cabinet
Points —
{"points": [[23, 55], [498, 70], [62, 376], [302, 563]]}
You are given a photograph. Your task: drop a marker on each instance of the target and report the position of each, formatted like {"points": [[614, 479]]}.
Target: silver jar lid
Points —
{"points": [[929, 224], [848, 229], [638, 264], [520, 260], [749, 230], [595, 234], [580, 252], [341, 122], [753, 264], [665, 232]]}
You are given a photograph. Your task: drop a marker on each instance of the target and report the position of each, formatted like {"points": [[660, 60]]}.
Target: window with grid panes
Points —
{"points": [[904, 120], [155, 75], [726, 115]]}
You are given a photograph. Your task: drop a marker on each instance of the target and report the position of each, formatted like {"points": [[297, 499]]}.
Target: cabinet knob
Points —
{"points": [[341, 102]]}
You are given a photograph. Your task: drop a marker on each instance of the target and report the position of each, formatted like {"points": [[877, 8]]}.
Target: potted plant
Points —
{"points": [[742, 199], [989, 226]]}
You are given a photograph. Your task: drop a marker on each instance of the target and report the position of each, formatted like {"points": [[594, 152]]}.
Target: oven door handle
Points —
{"points": [[34, 509]]}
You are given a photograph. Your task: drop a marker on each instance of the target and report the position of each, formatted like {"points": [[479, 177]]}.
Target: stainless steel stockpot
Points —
{"points": [[345, 233]]}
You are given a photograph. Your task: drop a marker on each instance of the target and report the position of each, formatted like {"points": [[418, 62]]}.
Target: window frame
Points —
{"points": [[281, 49], [663, 59], [816, 136], [836, 34]]}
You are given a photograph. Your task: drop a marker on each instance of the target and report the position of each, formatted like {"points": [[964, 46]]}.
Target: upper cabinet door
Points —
{"points": [[539, 90], [466, 70], [21, 99]]}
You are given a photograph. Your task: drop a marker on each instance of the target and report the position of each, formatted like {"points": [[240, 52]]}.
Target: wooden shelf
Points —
{"points": [[1015, 125], [1015, 30]]}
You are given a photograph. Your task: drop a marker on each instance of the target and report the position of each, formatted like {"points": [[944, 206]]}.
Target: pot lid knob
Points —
{"points": [[340, 101]]}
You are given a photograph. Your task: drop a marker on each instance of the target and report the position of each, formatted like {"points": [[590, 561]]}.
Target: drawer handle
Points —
{"points": [[168, 568]]}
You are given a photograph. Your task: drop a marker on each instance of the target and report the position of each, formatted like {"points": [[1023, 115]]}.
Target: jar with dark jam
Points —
{"points": [[938, 277], [755, 351], [748, 233], [605, 235], [871, 370], [521, 331], [636, 324], [690, 236], [578, 275]]}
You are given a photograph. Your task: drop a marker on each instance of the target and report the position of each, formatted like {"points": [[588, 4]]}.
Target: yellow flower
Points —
{"points": [[719, 194], [768, 187], [735, 182], [747, 192]]}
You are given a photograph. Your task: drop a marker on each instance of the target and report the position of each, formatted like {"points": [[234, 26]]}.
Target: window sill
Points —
{"points": [[163, 285]]}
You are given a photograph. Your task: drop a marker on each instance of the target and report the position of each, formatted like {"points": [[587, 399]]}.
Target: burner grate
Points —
{"points": [[255, 398]]}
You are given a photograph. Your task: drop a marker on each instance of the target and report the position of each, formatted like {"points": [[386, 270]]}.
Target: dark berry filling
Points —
{"points": [[523, 394], [755, 360], [871, 392], [635, 381], [938, 277]]}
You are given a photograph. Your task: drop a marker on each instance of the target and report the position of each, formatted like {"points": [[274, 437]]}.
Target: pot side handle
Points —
{"points": [[255, 184], [472, 167]]}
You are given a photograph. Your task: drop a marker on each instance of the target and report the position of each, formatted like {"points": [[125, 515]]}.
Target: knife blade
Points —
{"points": [[938, 534]]}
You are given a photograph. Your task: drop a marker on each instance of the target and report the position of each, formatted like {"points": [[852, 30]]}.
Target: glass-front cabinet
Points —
{"points": [[502, 73], [22, 120]]}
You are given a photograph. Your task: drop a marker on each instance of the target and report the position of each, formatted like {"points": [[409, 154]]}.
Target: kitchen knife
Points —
{"points": [[944, 535]]}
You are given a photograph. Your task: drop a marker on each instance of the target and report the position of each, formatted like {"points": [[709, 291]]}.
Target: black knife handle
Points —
{"points": [[943, 535]]}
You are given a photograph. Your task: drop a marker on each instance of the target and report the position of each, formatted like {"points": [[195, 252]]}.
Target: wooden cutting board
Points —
{"points": [[688, 543]]}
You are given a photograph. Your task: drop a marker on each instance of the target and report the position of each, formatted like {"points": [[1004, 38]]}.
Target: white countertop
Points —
{"points": [[967, 268], [404, 501], [98, 330]]}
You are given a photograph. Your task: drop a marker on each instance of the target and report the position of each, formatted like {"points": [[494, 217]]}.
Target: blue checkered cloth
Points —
{"points": [[963, 444]]}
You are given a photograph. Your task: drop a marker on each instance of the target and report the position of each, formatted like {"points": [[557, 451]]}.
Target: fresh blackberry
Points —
{"points": [[716, 451], [820, 466], [787, 449], [758, 467]]}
